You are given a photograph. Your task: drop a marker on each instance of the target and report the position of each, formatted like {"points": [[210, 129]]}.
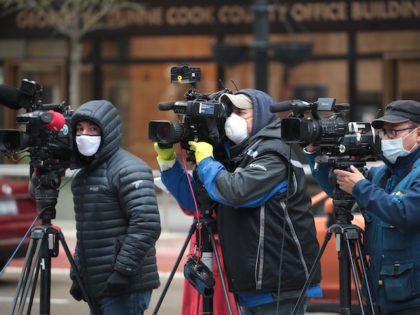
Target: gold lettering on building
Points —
{"points": [[384, 10], [153, 16], [235, 14], [34, 19], [319, 12], [278, 13], [184, 15]]}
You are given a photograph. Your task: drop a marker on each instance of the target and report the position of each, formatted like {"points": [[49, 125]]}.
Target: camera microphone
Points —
{"points": [[290, 105], [9, 96], [56, 121], [166, 105], [174, 105]]}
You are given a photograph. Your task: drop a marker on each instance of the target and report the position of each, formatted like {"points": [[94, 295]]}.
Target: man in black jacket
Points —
{"points": [[117, 217], [265, 225]]}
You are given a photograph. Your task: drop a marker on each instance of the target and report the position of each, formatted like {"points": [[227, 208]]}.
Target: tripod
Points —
{"points": [[207, 226], [43, 245], [350, 254]]}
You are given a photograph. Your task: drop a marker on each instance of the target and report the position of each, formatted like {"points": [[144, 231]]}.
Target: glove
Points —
{"points": [[165, 157], [202, 150], [76, 291], [164, 154], [117, 282]]}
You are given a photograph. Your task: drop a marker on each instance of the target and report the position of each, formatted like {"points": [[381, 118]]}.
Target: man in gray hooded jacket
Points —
{"points": [[117, 217], [264, 222]]}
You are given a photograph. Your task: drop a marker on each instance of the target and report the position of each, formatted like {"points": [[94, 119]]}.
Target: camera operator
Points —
{"points": [[266, 229], [117, 217], [391, 196]]}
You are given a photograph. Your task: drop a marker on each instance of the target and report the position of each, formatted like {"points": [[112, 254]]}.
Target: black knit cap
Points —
{"points": [[398, 112]]}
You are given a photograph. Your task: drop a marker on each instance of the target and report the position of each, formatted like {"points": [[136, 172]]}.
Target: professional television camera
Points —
{"points": [[341, 143], [334, 135], [203, 115], [47, 138]]}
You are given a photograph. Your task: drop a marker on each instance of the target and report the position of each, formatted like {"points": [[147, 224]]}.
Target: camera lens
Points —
{"points": [[166, 131], [163, 132]]}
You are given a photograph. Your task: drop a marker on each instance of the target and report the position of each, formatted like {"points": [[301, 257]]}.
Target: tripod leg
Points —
{"points": [[178, 260], [45, 279], [219, 267], [344, 277], [350, 253], [312, 272], [24, 273], [89, 300], [353, 243], [363, 264], [34, 284], [29, 277]]}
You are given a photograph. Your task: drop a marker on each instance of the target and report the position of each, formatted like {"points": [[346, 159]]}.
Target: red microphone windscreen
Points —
{"points": [[57, 121]]}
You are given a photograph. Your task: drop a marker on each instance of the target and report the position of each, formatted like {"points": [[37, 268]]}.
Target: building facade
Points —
{"points": [[365, 53]]}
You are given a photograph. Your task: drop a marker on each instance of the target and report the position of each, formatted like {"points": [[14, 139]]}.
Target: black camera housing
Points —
{"points": [[333, 134], [203, 115], [48, 149]]}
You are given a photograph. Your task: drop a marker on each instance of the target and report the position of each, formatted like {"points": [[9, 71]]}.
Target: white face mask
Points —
{"points": [[236, 128], [394, 148], [88, 145]]}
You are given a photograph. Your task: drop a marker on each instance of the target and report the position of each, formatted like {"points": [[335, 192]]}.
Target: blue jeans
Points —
{"points": [[134, 303], [284, 307]]}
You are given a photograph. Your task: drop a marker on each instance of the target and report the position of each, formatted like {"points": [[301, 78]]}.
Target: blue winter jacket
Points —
{"points": [[391, 195]]}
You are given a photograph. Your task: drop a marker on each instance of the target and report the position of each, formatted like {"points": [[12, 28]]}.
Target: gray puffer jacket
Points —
{"points": [[117, 217]]}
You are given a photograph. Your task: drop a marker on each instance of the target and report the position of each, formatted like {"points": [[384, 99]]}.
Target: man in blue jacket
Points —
{"points": [[391, 195], [265, 225]]}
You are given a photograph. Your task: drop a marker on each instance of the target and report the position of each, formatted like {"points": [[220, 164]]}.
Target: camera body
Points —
{"points": [[341, 143], [47, 134], [202, 116], [334, 134]]}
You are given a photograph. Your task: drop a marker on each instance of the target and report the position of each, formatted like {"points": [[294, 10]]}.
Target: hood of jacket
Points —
{"points": [[261, 102], [106, 116], [262, 118]]}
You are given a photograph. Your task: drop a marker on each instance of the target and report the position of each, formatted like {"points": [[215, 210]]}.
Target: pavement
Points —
{"points": [[168, 249]]}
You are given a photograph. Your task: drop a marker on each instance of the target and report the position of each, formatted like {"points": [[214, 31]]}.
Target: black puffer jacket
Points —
{"points": [[117, 217]]}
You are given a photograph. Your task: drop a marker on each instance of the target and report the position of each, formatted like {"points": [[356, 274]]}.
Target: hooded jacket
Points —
{"points": [[263, 212], [117, 218]]}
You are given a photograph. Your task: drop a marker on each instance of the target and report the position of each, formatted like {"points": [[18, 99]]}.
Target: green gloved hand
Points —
{"points": [[164, 154], [202, 150]]}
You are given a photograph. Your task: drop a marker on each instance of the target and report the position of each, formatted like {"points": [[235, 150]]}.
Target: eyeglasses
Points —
{"points": [[392, 133]]}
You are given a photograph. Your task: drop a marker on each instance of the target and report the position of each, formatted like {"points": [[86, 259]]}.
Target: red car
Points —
{"points": [[17, 212]]}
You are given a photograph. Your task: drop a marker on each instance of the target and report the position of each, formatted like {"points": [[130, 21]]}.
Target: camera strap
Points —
{"points": [[383, 183]]}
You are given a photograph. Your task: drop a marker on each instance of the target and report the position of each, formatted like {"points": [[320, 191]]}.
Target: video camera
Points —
{"points": [[47, 135], [341, 143], [203, 115], [334, 135]]}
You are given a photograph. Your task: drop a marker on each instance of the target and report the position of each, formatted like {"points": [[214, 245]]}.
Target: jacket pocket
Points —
{"points": [[393, 239], [116, 250], [398, 281]]}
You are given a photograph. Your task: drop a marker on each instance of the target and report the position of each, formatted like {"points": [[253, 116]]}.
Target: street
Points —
{"points": [[62, 303], [175, 229]]}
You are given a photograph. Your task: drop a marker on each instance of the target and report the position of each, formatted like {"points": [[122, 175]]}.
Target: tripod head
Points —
{"points": [[45, 185], [342, 201]]}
